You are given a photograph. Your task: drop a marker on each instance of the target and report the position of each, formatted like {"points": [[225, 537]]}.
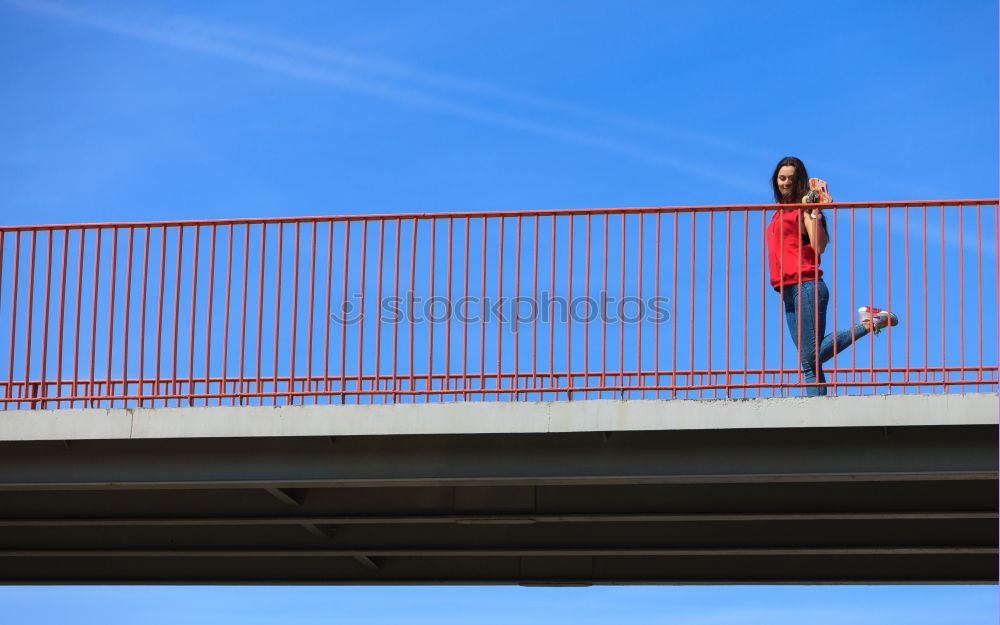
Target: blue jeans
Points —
{"points": [[805, 314]]}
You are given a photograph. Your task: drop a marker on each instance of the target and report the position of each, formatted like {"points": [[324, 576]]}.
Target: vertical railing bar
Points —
{"points": [[586, 318], [50, 240], [552, 308], [925, 308], [673, 340], [656, 296], [906, 264], [13, 316], [430, 316], [208, 318], [79, 312], [127, 305], [782, 387], [534, 309], [395, 322], [763, 302], [816, 336], [604, 313], [193, 318], [996, 252], [482, 315], [243, 311], [746, 296], [109, 390], [30, 388], [465, 315], [516, 321], [569, 313], [871, 292], [413, 290], [308, 380], [835, 373], [729, 225], [93, 312], [448, 317], [226, 314], [687, 394], [854, 366], [3, 238], [159, 317], [621, 313], [279, 271], [142, 315], [343, 319], [799, 308], [361, 322], [640, 378], [979, 275], [260, 314], [944, 326], [296, 252], [888, 295], [327, 319], [961, 292], [708, 296], [378, 311], [62, 314], [500, 316]]}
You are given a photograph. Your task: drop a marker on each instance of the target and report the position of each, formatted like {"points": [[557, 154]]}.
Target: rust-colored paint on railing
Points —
{"points": [[202, 312]]}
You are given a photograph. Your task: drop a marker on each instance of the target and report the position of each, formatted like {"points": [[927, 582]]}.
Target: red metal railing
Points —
{"points": [[666, 302]]}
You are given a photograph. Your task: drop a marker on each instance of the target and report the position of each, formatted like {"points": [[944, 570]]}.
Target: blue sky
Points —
{"points": [[125, 111], [690, 605], [156, 110]]}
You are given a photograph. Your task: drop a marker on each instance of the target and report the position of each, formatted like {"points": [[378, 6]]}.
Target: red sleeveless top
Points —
{"points": [[791, 258]]}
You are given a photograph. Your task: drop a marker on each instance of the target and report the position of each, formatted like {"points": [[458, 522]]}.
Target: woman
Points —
{"points": [[796, 237]]}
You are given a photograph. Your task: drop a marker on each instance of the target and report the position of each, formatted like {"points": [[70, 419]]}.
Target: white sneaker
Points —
{"points": [[879, 318]]}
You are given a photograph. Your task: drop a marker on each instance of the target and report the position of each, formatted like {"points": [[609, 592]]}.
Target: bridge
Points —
{"points": [[549, 397]]}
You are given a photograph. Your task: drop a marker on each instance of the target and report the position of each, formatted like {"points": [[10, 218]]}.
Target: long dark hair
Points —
{"points": [[800, 185]]}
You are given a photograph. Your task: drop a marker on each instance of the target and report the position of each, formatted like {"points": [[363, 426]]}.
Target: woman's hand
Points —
{"points": [[812, 223]]}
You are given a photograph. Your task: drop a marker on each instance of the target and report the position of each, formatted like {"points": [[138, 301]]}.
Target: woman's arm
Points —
{"points": [[811, 220]]}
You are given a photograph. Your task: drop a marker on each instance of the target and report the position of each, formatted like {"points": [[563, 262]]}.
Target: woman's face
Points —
{"points": [[786, 180]]}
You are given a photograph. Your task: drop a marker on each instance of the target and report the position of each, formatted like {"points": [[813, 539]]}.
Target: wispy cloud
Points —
{"points": [[460, 84], [400, 83]]}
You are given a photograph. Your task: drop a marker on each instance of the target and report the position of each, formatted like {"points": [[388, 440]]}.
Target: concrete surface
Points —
{"points": [[841, 490], [499, 417]]}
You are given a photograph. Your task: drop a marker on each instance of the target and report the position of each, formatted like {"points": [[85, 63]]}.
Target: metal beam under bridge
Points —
{"points": [[861, 489]]}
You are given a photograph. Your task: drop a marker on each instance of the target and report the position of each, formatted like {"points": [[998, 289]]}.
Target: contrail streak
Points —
{"points": [[204, 41]]}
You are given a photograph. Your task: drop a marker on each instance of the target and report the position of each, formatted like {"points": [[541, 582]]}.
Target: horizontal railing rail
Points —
{"points": [[653, 302]]}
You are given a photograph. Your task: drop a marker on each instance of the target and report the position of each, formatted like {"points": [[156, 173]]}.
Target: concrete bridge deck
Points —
{"points": [[863, 489]]}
